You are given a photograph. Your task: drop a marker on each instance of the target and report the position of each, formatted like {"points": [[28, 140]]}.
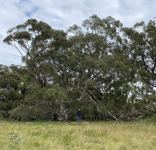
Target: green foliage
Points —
{"points": [[100, 67], [22, 112], [56, 94]]}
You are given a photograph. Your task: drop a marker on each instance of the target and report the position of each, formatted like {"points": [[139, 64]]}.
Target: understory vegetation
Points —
{"points": [[106, 70]]}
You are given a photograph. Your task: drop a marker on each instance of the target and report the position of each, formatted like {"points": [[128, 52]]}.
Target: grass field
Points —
{"points": [[74, 136]]}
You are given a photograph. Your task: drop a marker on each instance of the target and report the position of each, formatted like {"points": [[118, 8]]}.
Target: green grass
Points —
{"points": [[74, 136]]}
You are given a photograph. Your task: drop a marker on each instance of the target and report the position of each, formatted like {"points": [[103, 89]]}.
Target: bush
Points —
{"points": [[151, 119], [22, 112], [3, 114], [39, 111], [42, 111]]}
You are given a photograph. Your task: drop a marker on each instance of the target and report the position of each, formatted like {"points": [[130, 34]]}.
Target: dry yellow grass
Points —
{"points": [[74, 136]]}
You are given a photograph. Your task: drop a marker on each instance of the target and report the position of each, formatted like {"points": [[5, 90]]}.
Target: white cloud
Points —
{"points": [[61, 14]]}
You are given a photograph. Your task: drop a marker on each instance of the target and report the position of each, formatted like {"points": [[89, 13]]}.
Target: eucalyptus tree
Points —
{"points": [[97, 66], [33, 39], [100, 64], [140, 42]]}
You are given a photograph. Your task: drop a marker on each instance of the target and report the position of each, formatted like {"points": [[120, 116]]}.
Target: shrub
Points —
{"points": [[22, 112], [3, 114]]}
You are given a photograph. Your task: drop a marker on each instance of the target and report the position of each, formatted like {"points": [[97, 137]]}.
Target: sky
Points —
{"points": [[61, 14]]}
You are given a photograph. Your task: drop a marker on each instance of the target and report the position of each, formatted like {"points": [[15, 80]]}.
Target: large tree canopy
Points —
{"points": [[102, 67]]}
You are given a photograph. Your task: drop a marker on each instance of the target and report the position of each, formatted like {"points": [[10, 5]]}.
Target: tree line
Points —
{"points": [[106, 70]]}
